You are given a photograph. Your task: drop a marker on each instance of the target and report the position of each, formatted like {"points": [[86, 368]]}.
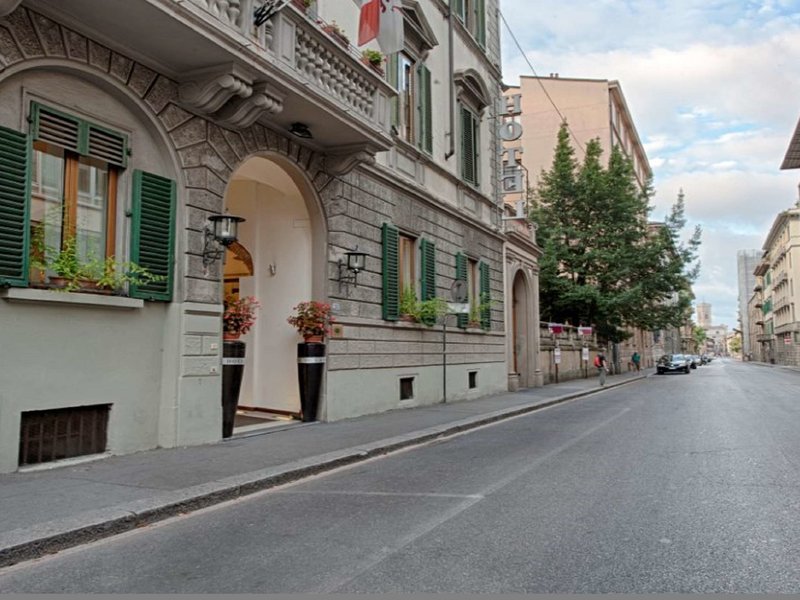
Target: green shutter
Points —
{"points": [[469, 167], [391, 293], [153, 233], [486, 298], [393, 77], [458, 8], [461, 275], [79, 136], [480, 22], [15, 188], [427, 270], [424, 109]]}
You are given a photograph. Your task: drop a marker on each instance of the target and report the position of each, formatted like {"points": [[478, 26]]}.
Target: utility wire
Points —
{"points": [[539, 80]]}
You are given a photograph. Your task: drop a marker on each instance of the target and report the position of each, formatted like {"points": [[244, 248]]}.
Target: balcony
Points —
{"points": [[286, 71], [780, 304], [764, 337]]}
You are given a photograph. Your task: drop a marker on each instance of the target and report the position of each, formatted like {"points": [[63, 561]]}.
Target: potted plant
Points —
{"points": [[336, 32], [303, 5], [374, 59], [67, 272], [312, 320], [420, 311], [239, 316]]}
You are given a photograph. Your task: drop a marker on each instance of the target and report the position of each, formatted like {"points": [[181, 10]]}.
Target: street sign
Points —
{"points": [[458, 308], [585, 354], [458, 291], [557, 355]]}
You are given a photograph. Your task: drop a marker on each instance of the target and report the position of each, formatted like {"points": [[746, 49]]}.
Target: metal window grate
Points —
{"points": [[48, 435]]}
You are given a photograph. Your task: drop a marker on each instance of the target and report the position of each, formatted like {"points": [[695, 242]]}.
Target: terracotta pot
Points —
{"points": [[230, 336], [309, 339]]}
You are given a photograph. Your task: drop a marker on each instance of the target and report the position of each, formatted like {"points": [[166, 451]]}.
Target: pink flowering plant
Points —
{"points": [[312, 318], [240, 314]]}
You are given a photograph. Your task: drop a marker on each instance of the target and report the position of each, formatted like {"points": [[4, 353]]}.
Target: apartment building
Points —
{"points": [[780, 272], [137, 124], [594, 108]]}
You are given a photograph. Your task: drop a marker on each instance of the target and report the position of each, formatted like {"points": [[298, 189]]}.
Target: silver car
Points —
{"points": [[674, 363]]}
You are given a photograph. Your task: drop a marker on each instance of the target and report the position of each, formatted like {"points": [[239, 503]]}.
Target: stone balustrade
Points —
{"points": [[321, 64]]}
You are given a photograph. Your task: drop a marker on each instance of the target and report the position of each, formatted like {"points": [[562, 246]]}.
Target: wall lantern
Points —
{"points": [[222, 232], [350, 267]]}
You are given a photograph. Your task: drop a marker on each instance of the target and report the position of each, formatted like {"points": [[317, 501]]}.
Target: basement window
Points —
{"points": [[472, 379], [406, 388], [50, 435]]}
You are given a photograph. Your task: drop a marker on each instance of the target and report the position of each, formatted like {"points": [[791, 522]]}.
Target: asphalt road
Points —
{"points": [[678, 483]]}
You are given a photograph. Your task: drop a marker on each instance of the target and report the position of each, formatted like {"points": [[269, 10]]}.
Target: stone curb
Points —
{"points": [[50, 537]]}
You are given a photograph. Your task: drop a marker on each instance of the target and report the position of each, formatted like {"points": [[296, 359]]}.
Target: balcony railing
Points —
{"points": [[308, 51]]}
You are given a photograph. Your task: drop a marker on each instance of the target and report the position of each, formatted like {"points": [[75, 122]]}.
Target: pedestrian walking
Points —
{"points": [[636, 359], [600, 364]]}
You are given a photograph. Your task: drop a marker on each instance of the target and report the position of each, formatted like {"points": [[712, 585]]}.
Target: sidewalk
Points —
{"points": [[45, 511]]}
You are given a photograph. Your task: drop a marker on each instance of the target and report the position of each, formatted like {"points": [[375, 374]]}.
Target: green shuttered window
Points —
{"points": [[427, 270], [391, 293], [469, 146], [424, 110], [153, 232], [15, 181], [154, 198], [462, 320], [486, 297]]}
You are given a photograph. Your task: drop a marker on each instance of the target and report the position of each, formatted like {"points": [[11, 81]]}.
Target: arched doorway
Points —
{"points": [[520, 315], [280, 262]]}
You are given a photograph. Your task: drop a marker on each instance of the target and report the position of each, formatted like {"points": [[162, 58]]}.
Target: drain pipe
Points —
{"points": [[452, 149]]}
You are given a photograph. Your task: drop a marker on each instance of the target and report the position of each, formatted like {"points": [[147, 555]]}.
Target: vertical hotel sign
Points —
{"points": [[510, 130]]}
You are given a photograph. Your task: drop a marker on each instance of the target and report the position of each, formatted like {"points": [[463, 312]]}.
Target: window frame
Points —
{"points": [[407, 244], [70, 197]]}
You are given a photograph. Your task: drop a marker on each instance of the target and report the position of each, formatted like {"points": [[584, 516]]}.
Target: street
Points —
{"points": [[677, 483]]}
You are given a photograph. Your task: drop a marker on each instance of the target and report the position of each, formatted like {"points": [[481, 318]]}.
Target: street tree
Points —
{"points": [[603, 262]]}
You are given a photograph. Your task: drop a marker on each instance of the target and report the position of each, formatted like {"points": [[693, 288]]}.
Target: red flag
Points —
{"points": [[369, 21]]}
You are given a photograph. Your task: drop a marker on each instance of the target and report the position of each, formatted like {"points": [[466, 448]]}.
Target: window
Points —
{"points": [[73, 197], [472, 380], [49, 435], [476, 276], [470, 129], [60, 181], [407, 268], [406, 388], [473, 14], [412, 114], [401, 255]]}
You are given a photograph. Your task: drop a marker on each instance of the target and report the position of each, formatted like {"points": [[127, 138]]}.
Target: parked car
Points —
{"points": [[694, 360], [673, 363]]}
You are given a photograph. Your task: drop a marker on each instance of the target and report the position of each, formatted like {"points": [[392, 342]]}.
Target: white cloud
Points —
{"points": [[714, 92]]}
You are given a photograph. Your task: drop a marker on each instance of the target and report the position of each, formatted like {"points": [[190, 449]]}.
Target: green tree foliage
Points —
{"points": [[603, 263]]}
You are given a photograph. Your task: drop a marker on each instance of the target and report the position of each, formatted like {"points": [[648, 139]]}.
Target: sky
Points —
{"points": [[714, 90]]}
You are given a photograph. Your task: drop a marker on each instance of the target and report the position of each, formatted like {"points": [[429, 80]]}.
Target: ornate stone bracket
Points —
{"points": [[341, 161], [243, 112], [207, 90]]}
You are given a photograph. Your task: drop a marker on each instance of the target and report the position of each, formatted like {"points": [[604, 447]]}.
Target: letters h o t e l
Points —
{"points": [[509, 130]]}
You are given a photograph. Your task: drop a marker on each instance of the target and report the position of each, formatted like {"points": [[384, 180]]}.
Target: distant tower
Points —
{"points": [[746, 263], [704, 315]]}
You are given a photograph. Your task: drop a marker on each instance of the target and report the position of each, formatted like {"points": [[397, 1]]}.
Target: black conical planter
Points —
{"points": [[310, 367], [232, 370]]}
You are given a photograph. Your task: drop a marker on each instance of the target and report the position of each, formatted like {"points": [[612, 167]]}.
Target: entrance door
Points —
{"points": [[520, 323]]}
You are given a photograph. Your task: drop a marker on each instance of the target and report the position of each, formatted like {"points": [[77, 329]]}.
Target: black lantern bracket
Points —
{"points": [[220, 232], [349, 267]]}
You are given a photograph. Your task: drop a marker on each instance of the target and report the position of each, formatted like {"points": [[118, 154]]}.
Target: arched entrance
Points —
{"points": [[520, 315], [280, 261]]}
